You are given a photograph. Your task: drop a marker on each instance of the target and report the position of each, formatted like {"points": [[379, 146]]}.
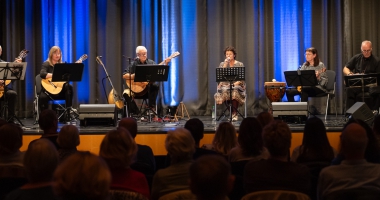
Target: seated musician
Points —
{"points": [[363, 63], [238, 92], [55, 56], [142, 58], [11, 94], [312, 63]]}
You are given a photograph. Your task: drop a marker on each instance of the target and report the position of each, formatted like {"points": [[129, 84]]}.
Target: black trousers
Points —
{"points": [[66, 94], [305, 94], [11, 96], [354, 94]]}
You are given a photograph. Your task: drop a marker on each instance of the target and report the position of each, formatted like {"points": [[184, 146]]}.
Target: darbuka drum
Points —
{"points": [[274, 90]]}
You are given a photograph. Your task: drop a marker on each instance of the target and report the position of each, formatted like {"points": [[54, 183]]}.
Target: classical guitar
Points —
{"points": [[56, 87], [22, 55], [138, 87]]}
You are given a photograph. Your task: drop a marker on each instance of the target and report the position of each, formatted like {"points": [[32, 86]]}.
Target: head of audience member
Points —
{"points": [[230, 52], [48, 121], [130, 124], [315, 144], [118, 149], [68, 137], [196, 128], [225, 138], [366, 48], [180, 145], [2, 122], [353, 141], [250, 137], [83, 175], [40, 161], [55, 55], [142, 53], [211, 178], [10, 139], [264, 118], [372, 152], [277, 139], [312, 57]]}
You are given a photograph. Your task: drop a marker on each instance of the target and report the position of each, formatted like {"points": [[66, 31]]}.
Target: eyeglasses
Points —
{"points": [[366, 51], [308, 54], [141, 54]]}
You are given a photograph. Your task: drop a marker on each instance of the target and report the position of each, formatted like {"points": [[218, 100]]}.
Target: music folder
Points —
{"points": [[151, 73], [301, 78], [355, 80], [13, 70], [67, 72]]}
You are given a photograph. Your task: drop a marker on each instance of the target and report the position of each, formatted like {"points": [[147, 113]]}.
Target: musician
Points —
{"points": [[11, 94], [312, 63], [55, 56], [142, 59], [238, 91]]}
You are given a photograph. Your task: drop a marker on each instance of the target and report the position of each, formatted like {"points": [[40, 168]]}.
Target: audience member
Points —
{"points": [[68, 140], [145, 162], [48, 122], [224, 139], [354, 171], [276, 173], [40, 161], [315, 145], [119, 149], [211, 178], [10, 144], [181, 146], [372, 152], [265, 118], [82, 176], [250, 143]]}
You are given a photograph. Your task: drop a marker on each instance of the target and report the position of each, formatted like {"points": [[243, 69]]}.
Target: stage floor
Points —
{"points": [[333, 124]]}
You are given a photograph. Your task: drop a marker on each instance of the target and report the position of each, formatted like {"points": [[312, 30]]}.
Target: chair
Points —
{"points": [[125, 195], [245, 105], [37, 92], [276, 195], [178, 195], [330, 87]]}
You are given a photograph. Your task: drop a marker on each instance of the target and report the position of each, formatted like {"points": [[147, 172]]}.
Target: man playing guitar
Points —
{"points": [[129, 76], [55, 56]]}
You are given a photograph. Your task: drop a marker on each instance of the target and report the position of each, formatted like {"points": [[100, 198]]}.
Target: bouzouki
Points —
{"points": [[22, 55], [56, 87], [113, 97], [138, 87]]}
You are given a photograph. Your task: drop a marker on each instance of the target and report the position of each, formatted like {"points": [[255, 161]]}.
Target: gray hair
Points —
{"points": [[139, 48]]}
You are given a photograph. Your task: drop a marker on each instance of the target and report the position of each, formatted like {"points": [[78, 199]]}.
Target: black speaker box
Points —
{"points": [[361, 111], [97, 114]]}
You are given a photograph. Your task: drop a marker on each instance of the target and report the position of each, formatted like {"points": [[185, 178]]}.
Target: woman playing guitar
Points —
{"points": [[55, 56]]}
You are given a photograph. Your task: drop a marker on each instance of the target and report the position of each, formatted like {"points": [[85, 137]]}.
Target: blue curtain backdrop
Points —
{"points": [[270, 38]]}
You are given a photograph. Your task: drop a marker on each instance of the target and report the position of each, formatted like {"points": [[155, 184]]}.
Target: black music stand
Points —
{"points": [[151, 73], [66, 72], [362, 81], [304, 78], [230, 74], [11, 71]]}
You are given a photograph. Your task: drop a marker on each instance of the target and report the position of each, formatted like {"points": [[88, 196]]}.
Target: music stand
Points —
{"points": [[11, 71], [362, 80], [230, 74], [151, 73], [301, 78], [66, 72]]}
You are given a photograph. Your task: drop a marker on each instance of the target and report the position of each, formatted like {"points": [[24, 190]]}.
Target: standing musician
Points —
{"points": [[312, 63], [11, 94], [363, 63], [141, 59], [55, 56]]}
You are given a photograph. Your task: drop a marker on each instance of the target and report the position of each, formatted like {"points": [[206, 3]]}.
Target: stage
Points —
{"points": [[154, 133]]}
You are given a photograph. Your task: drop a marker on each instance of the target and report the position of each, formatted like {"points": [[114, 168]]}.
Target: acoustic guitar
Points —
{"points": [[139, 87], [23, 54], [56, 87]]}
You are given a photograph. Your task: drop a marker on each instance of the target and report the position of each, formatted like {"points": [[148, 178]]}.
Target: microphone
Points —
{"points": [[137, 58], [98, 60]]}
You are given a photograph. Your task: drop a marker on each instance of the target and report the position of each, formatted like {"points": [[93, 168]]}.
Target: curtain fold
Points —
{"points": [[270, 37]]}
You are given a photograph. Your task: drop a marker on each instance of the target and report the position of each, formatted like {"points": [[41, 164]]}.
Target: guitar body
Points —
{"points": [[137, 87], [113, 98], [52, 87], [2, 87]]}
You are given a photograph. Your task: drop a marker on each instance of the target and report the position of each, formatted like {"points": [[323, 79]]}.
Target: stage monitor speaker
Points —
{"points": [[361, 111], [291, 112], [97, 114]]}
